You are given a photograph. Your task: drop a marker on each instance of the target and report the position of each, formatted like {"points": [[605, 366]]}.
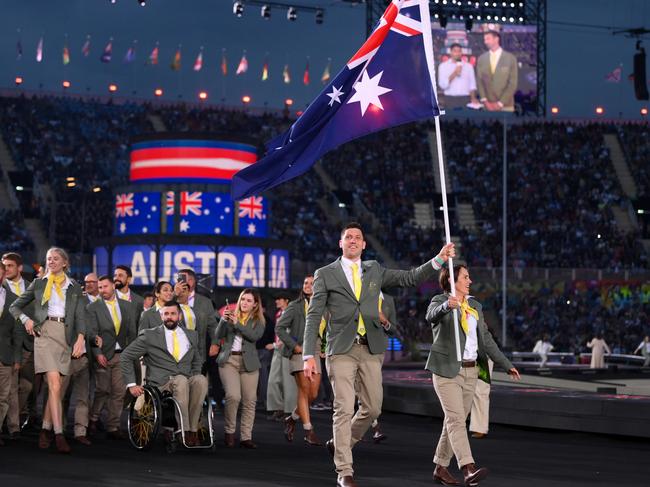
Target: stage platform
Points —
{"points": [[613, 402]]}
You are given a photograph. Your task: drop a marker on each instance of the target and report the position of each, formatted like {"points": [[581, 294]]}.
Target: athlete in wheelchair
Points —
{"points": [[174, 392]]}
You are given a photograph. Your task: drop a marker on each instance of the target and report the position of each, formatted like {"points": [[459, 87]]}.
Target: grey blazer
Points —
{"points": [[201, 328], [502, 85], [100, 323], [149, 319], [333, 294], [74, 307], [11, 334], [390, 312], [204, 306], [250, 333], [27, 340], [161, 365], [442, 356], [290, 328]]}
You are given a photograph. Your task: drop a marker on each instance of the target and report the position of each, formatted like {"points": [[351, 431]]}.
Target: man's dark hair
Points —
{"points": [[455, 44], [443, 279], [17, 258], [105, 277], [351, 225], [189, 272], [148, 295], [2, 266], [173, 302], [495, 34], [125, 268]]}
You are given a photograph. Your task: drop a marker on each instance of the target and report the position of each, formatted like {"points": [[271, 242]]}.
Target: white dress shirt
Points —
{"points": [[119, 316], [462, 84], [92, 298], [190, 300], [56, 304], [183, 341], [3, 299], [471, 340], [125, 296], [236, 343]]}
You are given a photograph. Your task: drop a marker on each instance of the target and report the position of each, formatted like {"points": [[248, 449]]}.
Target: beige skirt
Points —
{"points": [[296, 363], [51, 349]]}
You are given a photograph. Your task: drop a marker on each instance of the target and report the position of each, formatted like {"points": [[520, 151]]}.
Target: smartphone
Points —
{"points": [[181, 278]]}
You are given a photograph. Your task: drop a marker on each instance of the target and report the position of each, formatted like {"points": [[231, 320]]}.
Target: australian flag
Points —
{"points": [[137, 213], [205, 213], [252, 217], [388, 82]]}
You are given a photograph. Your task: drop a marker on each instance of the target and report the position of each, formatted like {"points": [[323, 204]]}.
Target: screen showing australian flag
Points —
{"points": [[205, 213], [137, 213], [252, 217]]}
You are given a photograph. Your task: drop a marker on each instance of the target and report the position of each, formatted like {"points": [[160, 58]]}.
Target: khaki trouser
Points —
{"points": [[361, 368], [80, 396], [240, 387], [21, 387], [6, 378], [109, 391], [480, 414], [281, 392], [455, 397], [189, 394]]}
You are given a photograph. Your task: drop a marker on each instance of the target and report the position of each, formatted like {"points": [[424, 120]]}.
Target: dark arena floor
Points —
{"points": [[516, 456]]}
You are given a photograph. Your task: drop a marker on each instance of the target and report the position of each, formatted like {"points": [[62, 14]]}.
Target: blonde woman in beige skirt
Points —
{"points": [[59, 330], [239, 365]]}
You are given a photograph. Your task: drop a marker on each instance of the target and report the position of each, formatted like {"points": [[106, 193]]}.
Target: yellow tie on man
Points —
{"points": [[115, 316], [465, 311], [17, 290], [176, 347], [356, 279], [493, 61], [188, 316], [56, 282]]}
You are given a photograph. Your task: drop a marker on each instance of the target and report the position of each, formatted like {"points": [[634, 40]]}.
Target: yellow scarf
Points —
{"points": [[56, 282], [243, 319], [465, 311]]}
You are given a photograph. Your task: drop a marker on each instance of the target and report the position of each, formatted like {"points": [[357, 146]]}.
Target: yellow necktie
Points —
{"points": [[56, 282], [176, 347], [17, 292], [465, 311], [381, 301], [321, 328], [493, 61], [115, 316], [188, 316], [356, 279]]}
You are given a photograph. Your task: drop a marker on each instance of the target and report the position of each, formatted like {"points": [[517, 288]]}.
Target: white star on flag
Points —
{"points": [[122, 227], [217, 230], [185, 226], [145, 229], [335, 95], [251, 229], [368, 91]]}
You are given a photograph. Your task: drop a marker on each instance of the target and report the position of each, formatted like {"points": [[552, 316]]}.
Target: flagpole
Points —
{"points": [[425, 17]]}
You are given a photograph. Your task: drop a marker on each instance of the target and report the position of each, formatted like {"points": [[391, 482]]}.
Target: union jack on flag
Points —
{"points": [[252, 217], [251, 208], [191, 203], [124, 205], [389, 81]]}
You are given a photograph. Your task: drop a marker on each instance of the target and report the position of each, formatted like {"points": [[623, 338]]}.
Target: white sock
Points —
{"points": [[307, 426], [375, 423], [47, 426], [294, 416]]}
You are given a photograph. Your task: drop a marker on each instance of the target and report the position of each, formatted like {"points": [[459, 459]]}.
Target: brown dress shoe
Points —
{"points": [[474, 475], [377, 435], [44, 439], [312, 439], [83, 440], [191, 439], [330, 446], [289, 428], [61, 444], [441, 475], [478, 436], [229, 440], [247, 444], [347, 481]]}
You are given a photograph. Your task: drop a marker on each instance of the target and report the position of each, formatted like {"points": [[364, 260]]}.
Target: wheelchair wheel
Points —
{"points": [[144, 419]]}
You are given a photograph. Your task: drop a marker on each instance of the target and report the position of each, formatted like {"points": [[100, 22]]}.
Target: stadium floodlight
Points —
{"points": [[203, 95], [320, 16], [246, 99], [265, 12], [66, 84], [158, 92], [238, 9], [644, 111], [18, 80], [142, 2], [112, 87], [292, 14]]}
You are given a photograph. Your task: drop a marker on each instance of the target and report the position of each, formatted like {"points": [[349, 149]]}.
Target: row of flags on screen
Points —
{"points": [[154, 59]]}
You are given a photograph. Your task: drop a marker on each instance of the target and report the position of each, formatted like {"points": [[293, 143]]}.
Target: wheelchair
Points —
{"points": [[156, 410]]}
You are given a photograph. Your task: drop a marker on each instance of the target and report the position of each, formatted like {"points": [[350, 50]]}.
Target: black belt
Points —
{"points": [[236, 353], [468, 363], [361, 340], [118, 350], [56, 318]]}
